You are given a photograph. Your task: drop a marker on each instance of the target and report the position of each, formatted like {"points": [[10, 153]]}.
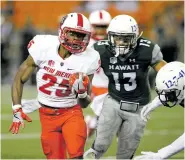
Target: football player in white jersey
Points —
{"points": [[99, 21], [170, 86], [65, 68]]}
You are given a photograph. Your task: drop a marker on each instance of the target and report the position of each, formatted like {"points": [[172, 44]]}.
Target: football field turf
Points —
{"points": [[164, 127]]}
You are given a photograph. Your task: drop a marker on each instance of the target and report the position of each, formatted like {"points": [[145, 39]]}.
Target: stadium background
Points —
{"points": [[21, 20]]}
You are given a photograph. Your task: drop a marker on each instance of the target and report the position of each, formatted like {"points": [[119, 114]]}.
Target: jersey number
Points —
{"points": [[131, 85], [66, 91], [102, 43], [145, 42], [30, 44]]}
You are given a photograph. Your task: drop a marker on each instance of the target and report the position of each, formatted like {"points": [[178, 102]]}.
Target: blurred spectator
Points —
{"points": [[27, 33], [127, 6], [167, 32], [178, 11], [165, 35], [6, 34], [89, 6], [8, 10]]}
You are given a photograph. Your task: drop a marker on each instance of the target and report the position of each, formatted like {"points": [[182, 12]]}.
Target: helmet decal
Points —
{"points": [[80, 20], [101, 15]]}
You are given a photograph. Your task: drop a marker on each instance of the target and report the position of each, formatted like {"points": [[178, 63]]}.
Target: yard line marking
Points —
{"points": [[164, 132], [21, 136], [7, 116]]}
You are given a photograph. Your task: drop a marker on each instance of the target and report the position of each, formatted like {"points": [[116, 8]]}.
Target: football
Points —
{"points": [[76, 76]]}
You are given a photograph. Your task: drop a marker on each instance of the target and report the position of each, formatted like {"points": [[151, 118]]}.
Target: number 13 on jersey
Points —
{"points": [[131, 85]]}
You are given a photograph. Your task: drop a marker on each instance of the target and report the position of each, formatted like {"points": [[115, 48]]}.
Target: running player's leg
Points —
{"points": [[75, 132], [108, 125], [130, 134]]}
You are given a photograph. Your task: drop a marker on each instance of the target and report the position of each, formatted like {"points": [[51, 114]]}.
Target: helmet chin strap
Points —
{"points": [[117, 54], [140, 34]]}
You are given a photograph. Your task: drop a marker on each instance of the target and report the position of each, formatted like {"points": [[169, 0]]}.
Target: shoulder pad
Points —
{"points": [[101, 46], [39, 44], [102, 43], [92, 57], [144, 42], [42, 41]]}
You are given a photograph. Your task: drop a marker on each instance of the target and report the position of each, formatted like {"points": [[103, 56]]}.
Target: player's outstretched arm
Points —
{"points": [[147, 109], [23, 74], [159, 65], [166, 152], [173, 148]]}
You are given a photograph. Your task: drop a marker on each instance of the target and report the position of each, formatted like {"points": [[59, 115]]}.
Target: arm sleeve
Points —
{"points": [[173, 148], [156, 102], [156, 55]]}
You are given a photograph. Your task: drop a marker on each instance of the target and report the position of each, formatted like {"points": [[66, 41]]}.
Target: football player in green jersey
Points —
{"points": [[125, 58]]}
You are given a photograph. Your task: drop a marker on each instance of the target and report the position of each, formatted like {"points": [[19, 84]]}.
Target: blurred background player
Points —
{"points": [[61, 92], [99, 21], [170, 87]]}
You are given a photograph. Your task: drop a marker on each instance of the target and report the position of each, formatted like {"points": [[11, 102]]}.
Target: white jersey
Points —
{"points": [[91, 42], [100, 80], [54, 71]]}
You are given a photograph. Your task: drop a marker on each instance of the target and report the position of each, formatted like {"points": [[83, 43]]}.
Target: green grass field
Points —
{"points": [[163, 128]]}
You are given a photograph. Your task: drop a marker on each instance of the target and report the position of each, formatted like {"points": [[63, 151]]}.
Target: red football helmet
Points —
{"points": [[99, 21], [74, 32]]}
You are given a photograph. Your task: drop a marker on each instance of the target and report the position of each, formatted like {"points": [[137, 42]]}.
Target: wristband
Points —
{"points": [[83, 95], [17, 106]]}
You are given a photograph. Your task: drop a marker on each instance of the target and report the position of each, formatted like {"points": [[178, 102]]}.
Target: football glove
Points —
{"points": [[148, 156], [79, 82], [18, 117]]}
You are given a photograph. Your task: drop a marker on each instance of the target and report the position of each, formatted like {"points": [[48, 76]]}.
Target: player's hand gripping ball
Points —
{"points": [[79, 82]]}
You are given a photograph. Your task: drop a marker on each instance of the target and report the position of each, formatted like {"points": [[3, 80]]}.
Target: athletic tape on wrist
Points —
{"points": [[17, 106], [84, 95]]}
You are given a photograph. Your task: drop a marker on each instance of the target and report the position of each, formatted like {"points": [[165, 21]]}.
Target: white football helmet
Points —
{"points": [[170, 83], [99, 21], [123, 33], [74, 32]]}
